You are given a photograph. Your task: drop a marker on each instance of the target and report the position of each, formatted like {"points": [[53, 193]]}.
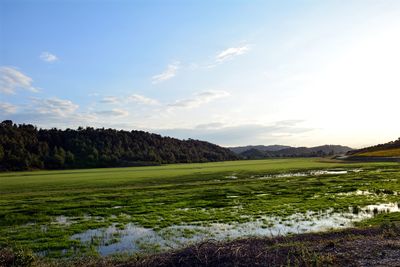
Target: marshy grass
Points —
{"points": [[41, 211]]}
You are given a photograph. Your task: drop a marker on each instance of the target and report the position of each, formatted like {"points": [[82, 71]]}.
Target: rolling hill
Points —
{"points": [[259, 152], [387, 150], [240, 149]]}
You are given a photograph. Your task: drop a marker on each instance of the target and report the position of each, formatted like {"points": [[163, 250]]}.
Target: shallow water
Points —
{"points": [[309, 173], [114, 240], [133, 238]]}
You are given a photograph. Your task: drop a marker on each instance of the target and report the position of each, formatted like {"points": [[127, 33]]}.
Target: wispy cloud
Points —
{"points": [[231, 52], [228, 135], [113, 113], [7, 108], [128, 99], [110, 100], [53, 112], [199, 99], [54, 106], [169, 73], [142, 99], [48, 57], [11, 79]]}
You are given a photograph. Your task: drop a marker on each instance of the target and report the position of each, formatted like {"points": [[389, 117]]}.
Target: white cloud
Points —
{"points": [[110, 100], [52, 112], [211, 125], [142, 99], [113, 113], [169, 73], [131, 98], [48, 57], [231, 52], [12, 79], [199, 99], [54, 106], [7, 108]]}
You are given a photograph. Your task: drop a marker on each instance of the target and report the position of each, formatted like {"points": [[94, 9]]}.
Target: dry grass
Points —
{"points": [[395, 152]]}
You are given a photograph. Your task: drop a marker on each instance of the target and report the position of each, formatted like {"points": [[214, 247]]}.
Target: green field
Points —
{"points": [[43, 210]]}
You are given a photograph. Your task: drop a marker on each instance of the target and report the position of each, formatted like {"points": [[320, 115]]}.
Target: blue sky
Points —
{"points": [[230, 72]]}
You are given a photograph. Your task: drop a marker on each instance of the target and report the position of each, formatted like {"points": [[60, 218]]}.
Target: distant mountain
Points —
{"points": [[240, 149], [325, 150], [253, 152], [390, 149]]}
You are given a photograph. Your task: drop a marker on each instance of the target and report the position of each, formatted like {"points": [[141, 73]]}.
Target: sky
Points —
{"points": [[299, 72]]}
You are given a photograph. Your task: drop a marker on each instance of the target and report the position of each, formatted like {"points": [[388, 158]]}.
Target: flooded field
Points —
{"points": [[146, 210], [133, 238]]}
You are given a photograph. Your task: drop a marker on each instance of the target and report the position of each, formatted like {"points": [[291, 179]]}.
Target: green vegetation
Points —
{"points": [[379, 219], [24, 147], [41, 210]]}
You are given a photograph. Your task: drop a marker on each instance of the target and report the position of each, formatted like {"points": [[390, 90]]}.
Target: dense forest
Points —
{"points": [[24, 147]]}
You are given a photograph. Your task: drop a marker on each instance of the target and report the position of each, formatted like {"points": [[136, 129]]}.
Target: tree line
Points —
{"points": [[25, 147]]}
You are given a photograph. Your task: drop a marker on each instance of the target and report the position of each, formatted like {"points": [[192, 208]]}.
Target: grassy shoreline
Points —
{"points": [[366, 246], [41, 210]]}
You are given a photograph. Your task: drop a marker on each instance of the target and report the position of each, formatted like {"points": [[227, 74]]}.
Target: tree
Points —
{"points": [[26, 147], [1, 152]]}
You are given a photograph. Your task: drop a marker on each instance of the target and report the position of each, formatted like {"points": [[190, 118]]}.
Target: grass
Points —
{"points": [[163, 196], [351, 247], [395, 152]]}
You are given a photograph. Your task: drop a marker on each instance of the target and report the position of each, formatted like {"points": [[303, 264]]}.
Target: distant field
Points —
{"points": [[381, 153], [147, 209]]}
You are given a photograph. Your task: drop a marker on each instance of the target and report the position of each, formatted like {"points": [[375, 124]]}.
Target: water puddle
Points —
{"points": [[63, 220], [112, 239], [309, 173], [133, 238], [378, 192]]}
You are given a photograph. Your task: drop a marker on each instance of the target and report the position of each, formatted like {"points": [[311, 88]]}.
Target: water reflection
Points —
{"points": [[133, 238]]}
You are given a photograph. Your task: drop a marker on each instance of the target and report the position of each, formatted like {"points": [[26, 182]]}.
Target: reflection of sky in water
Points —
{"points": [[134, 238], [304, 174]]}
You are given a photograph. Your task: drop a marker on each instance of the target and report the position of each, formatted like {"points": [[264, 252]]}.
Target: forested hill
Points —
{"points": [[390, 149], [254, 152], [24, 147], [241, 149]]}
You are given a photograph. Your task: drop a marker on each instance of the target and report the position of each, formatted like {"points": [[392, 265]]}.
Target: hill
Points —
{"points": [[390, 149], [24, 147], [240, 149], [319, 151]]}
